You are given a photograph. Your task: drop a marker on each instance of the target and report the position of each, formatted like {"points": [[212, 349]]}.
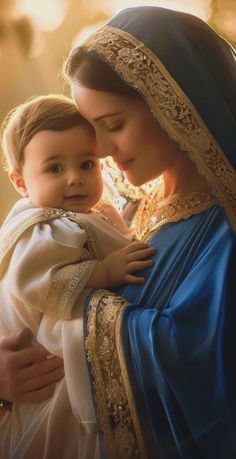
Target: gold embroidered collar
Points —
{"points": [[153, 213]]}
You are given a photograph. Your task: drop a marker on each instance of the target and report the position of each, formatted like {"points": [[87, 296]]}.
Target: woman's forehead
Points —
{"points": [[99, 103]]}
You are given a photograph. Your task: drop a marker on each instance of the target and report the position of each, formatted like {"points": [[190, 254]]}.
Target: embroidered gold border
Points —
{"points": [[65, 288], [175, 112], [115, 407], [128, 389]]}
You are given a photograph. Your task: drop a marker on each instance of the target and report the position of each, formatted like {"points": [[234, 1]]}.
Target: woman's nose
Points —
{"points": [[104, 146]]}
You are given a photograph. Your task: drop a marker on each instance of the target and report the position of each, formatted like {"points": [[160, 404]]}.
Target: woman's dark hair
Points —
{"points": [[86, 68]]}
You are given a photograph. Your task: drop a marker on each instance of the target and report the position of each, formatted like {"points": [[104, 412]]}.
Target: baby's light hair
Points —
{"points": [[51, 112]]}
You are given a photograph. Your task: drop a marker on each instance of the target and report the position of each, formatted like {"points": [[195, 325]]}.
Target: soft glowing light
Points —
{"points": [[109, 7], [84, 33], [110, 191], [200, 8], [226, 5], [48, 15], [226, 23]]}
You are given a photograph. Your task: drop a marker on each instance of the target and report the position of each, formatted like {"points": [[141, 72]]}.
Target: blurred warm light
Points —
{"points": [[200, 8], [225, 22], [37, 45], [226, 5], [6, 9], [84, 33], [110, 192], [48, 15]]}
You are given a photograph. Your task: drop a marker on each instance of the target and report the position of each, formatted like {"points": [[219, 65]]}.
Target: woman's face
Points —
{"points": [[127, 131]]}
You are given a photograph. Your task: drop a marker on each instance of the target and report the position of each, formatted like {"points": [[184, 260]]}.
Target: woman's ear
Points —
{"points": [[18, 182]]}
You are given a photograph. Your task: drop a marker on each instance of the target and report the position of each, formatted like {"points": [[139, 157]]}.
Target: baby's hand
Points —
{"points": [[121, 265]]}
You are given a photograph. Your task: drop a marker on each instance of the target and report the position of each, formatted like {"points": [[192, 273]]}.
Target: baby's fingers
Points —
{"points": [[129, 279], [141, 254], [134, 246], [139, 265]]}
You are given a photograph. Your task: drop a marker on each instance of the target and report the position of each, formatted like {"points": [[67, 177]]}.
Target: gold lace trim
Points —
{"points": [[115, 407], [153, 214], [144, 71], [66, 287]]}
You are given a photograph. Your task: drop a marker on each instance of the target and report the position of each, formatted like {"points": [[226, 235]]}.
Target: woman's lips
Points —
{"points": [[126, 165]]}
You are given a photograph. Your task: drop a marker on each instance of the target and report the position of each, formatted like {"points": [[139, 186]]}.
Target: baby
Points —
{"points": [[58, 241], [63, 236]]}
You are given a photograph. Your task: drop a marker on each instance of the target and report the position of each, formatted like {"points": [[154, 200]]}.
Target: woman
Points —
{"points": [[159, 88]]}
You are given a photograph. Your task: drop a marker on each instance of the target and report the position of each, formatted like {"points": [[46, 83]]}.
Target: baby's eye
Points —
{"points": [[55, 168], [87, 165]]}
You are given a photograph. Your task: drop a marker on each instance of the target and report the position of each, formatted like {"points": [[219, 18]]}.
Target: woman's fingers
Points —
{"points": [[42, 381], [18, 341], [28, 356], [38, 395], [35, 378], [41, 368], [24, 371]]}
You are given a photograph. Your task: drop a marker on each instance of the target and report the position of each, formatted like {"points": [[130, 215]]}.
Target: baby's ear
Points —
{"points": [[18, 182]]}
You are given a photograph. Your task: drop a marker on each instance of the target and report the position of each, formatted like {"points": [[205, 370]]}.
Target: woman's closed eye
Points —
{"points": [[116, 127]]}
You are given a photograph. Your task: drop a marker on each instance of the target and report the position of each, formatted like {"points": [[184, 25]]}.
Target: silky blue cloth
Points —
{"points": [[179, 341]]}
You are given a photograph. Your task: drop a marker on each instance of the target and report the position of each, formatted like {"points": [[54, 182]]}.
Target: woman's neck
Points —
{"points": [[183, 178]]}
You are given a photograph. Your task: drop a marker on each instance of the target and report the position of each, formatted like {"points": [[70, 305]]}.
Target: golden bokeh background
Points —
{"points": [[37, 35]]}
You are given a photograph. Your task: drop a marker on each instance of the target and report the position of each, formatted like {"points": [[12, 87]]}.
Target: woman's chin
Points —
{"points": [[135, 181], [139, 180]]}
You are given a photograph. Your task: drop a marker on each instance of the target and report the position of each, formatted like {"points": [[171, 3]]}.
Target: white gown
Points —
{"points": [[44, 267]]}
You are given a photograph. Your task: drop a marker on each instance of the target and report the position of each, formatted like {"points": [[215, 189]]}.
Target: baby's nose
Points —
{"points": [[75, 179]]}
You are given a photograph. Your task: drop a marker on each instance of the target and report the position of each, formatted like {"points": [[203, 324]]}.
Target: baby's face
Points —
{"points": [[61, 169]]}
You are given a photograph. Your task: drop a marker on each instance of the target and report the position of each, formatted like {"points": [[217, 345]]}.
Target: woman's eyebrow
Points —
{"points": [[106, 115]]}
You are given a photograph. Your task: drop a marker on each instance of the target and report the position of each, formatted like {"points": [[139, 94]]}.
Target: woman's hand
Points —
{"points": [[27, 373]]}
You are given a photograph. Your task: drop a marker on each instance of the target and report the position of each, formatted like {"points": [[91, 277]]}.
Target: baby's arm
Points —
{"points": [[49, 268], [118, 267]]}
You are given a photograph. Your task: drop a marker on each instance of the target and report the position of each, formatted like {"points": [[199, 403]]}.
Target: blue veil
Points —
{"points": [[186, 74], [161, 356]]}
